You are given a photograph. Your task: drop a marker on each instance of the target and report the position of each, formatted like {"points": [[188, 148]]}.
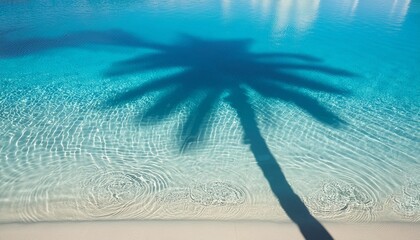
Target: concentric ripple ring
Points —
{"points": [[128, 193]]}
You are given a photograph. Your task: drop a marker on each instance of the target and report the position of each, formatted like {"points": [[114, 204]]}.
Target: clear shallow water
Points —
{"points": [[157, 110]]}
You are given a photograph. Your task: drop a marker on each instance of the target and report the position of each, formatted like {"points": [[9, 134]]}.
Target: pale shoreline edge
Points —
{"points": [[200, 230]]}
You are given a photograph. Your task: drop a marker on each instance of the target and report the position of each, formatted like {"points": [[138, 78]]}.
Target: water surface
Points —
{"points": [[232, 110]]}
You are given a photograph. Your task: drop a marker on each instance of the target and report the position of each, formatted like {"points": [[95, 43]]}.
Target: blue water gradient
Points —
{"points": [[273, 110]]}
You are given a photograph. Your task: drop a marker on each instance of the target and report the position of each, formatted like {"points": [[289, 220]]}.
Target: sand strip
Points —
{"points": [[199, 230]]}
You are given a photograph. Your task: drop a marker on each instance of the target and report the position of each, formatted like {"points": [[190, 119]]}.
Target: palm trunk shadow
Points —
{"points": [[289, 201]]}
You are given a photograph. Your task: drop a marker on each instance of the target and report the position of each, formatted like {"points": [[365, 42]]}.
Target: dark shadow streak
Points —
{"points": [[201, 114], [290, 202]]}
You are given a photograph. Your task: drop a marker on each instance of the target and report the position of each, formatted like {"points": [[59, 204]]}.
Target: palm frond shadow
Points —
{"points": [[11, 47], [216, 67]]}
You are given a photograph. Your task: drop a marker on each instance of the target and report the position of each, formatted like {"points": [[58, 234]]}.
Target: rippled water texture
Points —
{"points": [[233, 110]]}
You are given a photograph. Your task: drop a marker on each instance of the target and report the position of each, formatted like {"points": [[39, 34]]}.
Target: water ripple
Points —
{"points": [[209, 200], [122, 192], [341, 200], [407, 201], [217, 194], [176, 203]]}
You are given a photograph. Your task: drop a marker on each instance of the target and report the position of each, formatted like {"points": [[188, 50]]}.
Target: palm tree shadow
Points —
{"points": [[212, 68]]}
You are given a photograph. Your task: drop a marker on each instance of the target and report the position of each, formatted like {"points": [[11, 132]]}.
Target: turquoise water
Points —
{"points": [[300, 111]]}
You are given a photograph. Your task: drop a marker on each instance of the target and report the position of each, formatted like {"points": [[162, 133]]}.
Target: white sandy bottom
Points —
{"points": [[200, 230]]}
